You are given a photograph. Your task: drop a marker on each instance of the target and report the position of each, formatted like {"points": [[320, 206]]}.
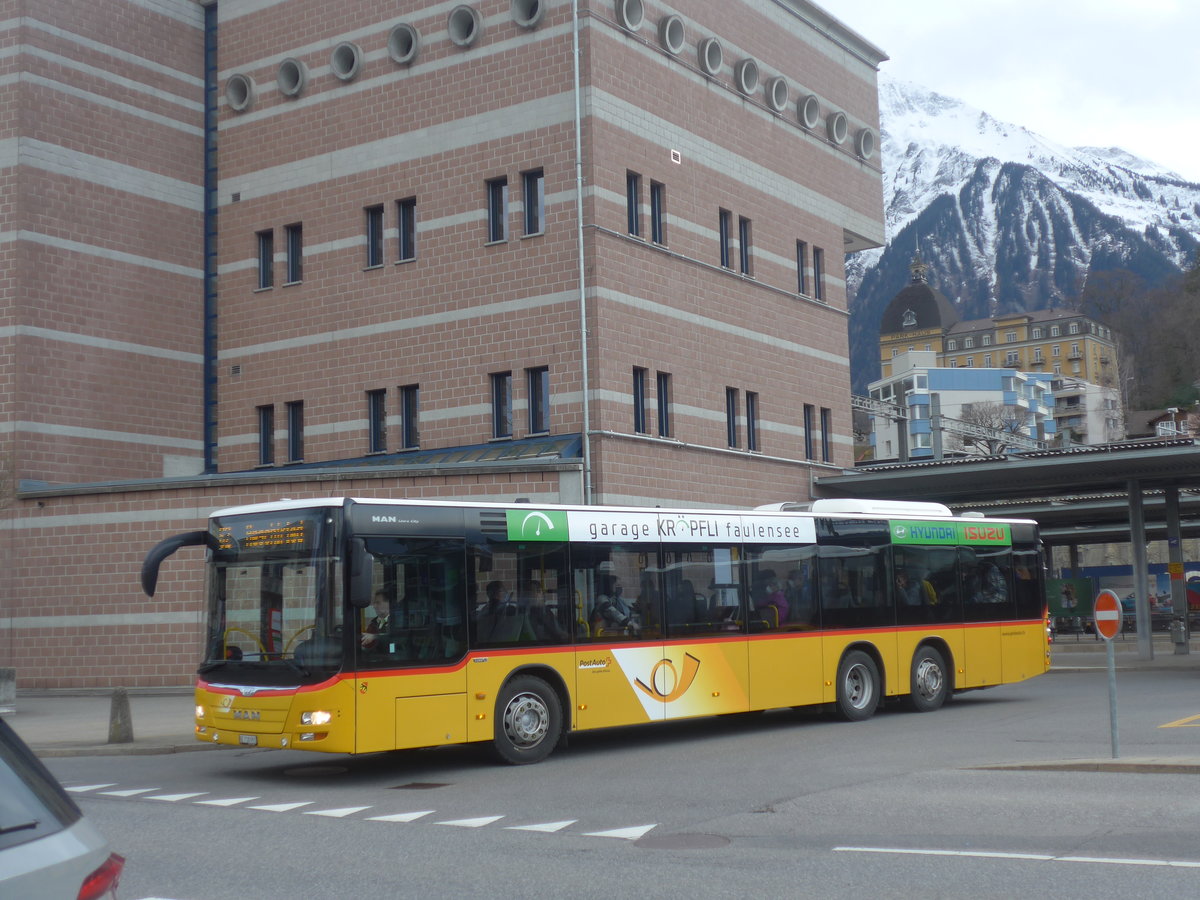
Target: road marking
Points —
{"points": [[472, 823], [402, 817], [133, 792], [1189, 722], [337, 813], [282, 807], [627, 834], [545, 827], [1036, 857], [631, 833]]}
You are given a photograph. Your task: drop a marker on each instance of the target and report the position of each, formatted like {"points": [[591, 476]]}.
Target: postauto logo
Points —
{"points": [[537, 525]]}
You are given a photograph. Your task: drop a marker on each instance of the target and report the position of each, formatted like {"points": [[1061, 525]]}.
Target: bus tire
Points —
{"points": [[929, 682], [858, 687], [528, 721]]}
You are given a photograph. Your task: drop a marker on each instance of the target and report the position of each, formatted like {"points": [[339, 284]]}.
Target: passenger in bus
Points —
{"points": [[775, 600], [612, 611], [908, 591], [798, 590], [543, 620], [379, 624], [989, 585]]}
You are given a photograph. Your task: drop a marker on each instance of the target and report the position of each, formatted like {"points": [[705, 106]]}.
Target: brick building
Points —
{"points": [[291, 248]]}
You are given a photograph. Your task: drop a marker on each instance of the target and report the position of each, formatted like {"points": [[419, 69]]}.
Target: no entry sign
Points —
{"points": [[1107, 614]]}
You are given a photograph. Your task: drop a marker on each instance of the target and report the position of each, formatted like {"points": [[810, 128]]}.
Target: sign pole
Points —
{"points": [[1108, 618], [1112, 699]]}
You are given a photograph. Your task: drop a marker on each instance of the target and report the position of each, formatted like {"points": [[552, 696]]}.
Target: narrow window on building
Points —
{"points": [[658, 212], [987, 360], [744, 245], [801, 267], [539, 399], [731, 416], [724, 226], [826, 434], [497, 207], [664, 404], [751, 420], [533, 188], [266, 258], [376, 421], [809, 426], [502, 404], [410, 416], [295, 434], [406, 221], [633, 203], [294, 235], [639, 400], [818, 262], [374, 216], [266, 435]]}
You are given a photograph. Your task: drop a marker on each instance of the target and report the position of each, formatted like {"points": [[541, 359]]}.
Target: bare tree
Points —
{"points": [[989, 425]]}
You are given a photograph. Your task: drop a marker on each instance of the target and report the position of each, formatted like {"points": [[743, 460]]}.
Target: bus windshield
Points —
{"points": [[274, 599]]}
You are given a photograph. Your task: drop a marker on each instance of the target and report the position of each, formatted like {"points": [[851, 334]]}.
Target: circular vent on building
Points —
{"points": [[837, 127], [528, 13], [712, 57], [745, 73], [777, 93], [865, 143], [809, 109], [240, 92], [630, 14], [670, 34], [346, 60], [465, 25], [404, 43], [291, 77]]}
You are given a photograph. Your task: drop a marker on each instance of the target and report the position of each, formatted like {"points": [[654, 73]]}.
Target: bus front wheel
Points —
{"points": [[928, 680], [528, 721], [857, 687]]}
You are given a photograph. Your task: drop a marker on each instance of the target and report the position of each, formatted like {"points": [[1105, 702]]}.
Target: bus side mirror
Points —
{"points": [[360, 574], [165, 548]]}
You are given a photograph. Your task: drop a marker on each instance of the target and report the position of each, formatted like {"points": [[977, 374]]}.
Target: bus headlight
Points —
{"points": [[316, 717], [199, 711]]}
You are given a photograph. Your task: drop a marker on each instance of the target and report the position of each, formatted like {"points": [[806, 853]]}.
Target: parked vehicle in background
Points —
{"points": [[48, 850]]}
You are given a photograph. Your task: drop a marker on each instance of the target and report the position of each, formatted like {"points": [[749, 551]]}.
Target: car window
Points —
{"points": [[32, 803]]}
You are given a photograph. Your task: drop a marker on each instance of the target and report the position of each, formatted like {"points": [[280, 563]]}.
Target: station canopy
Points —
{"points": [[1078, 495]]}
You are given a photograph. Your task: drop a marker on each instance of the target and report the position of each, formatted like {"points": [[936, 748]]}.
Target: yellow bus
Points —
{"points": [[356, 626]]}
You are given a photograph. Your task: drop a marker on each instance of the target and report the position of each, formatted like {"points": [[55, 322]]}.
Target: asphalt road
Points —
{"points": [[781, 804]]}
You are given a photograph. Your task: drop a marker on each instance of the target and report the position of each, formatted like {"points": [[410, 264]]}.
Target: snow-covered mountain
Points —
{"points": [[1006, 219]]}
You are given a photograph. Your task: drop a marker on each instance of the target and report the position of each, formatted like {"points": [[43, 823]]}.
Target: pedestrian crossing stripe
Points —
{"points": [[631, 833]]}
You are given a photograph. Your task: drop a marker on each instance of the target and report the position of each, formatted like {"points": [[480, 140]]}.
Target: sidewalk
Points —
{"points": [[76, 722]]}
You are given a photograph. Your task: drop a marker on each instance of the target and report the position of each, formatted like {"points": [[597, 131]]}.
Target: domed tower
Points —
{"points": [[917, 318]]}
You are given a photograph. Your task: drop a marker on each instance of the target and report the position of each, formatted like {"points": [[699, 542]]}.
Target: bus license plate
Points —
{"points": [[250, 740]]}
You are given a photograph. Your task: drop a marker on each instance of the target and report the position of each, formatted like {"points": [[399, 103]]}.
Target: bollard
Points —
{"points": [[8, 689], [120, 722]]}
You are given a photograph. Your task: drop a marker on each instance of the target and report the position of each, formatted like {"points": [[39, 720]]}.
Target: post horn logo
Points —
{"points": [[678, 684]]}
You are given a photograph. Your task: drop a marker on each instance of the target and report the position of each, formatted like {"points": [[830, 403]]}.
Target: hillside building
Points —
{"points": [[1073, 356], [293, 248]]}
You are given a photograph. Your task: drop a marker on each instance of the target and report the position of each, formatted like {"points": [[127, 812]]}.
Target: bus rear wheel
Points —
{"points": [[929, 683], [528, 721], [858, 687]]}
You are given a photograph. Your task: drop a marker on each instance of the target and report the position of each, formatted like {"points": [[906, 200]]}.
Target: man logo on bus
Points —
{"points": [[678, 685]]}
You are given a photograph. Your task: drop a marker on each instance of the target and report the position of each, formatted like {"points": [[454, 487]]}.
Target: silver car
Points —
{"points": [[48, 850]]}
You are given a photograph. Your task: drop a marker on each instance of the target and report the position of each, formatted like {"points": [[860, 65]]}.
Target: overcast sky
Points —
{"points": [[1079, 72]]}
